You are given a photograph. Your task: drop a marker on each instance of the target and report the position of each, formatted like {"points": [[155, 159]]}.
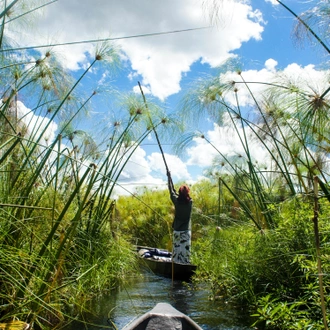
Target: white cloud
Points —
{"points": [[137, 168], [221, 138], [145, 89], [176, 166], [270, 65], [161, 60], [273, 2], [137, 173], [35, 125], [149, 170], [307, 78], [224, 141], [224, 138]]}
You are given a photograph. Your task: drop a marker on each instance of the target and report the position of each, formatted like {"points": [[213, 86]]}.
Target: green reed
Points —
{"points": [[289, 121], [57, 240]]}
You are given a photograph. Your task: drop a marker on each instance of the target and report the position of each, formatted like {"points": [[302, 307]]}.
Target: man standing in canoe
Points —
{"points": [[181, 224]]}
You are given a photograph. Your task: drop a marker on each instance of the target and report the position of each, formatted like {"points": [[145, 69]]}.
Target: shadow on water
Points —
{"points": [[133, 300]]}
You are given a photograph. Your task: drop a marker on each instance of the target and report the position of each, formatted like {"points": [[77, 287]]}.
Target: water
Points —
{"points": [[144, 293]]}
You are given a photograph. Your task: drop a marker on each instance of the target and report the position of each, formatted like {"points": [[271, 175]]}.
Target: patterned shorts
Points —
{"points": [[181, 246]]}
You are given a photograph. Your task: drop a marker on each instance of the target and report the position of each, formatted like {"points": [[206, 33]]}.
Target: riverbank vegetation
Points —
{"points": [[260, 230], [58, 246], [273, 272]]}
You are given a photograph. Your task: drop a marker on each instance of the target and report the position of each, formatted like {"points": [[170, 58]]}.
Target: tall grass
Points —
{"points": [[57, 240], [274, 276], [287, 119]]}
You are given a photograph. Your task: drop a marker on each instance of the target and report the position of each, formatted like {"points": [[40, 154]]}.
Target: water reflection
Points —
{"points": [[144, 293]]}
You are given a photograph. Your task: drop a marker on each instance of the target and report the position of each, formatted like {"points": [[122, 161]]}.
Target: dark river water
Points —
{"points": [[138, 297]]}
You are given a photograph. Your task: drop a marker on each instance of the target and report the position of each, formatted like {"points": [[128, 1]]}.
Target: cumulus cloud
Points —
{"points": [[306, 77], [144, 169], [34, 124], [224, 139], [177, 167], [220, 139], [273, 2], [270, 65], [149, 171], [163, 60], [160, 60]]}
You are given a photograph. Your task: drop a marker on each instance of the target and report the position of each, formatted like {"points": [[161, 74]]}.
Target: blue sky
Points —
{"points": [[257, 32]]}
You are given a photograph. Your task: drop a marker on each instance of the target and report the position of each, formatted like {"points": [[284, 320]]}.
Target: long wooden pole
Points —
{"points": [[162, 152], [153, 128]]}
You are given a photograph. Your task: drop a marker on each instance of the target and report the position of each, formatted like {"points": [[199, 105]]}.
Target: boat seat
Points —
{"points": [[163, 322]]}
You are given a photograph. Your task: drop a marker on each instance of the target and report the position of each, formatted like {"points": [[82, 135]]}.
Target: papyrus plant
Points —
{"points": [[56, 191]]}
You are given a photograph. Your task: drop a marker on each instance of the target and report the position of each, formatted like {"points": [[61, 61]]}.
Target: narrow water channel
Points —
{"points": [[145, 292]]}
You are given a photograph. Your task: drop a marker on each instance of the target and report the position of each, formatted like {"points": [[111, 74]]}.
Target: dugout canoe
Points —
{"points": [[159, 261], [163, 316]]}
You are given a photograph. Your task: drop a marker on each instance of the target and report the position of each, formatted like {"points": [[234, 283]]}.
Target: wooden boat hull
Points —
{"points": [[163, 316], [163, 266]]}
